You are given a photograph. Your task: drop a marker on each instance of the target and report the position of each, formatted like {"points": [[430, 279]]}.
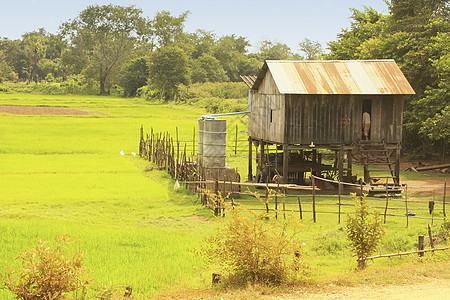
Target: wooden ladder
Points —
{"points": [[379, 155]]}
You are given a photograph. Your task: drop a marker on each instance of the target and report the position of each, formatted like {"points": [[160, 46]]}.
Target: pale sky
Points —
{"points": [[285, 21]]}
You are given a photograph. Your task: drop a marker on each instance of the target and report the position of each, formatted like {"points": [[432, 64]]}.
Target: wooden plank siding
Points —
{"points": [[267, 120], [323, 119]]}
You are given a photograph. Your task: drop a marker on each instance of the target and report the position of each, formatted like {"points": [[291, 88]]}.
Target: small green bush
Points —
{"points": [[48, 273], [364, 229], [256, 249]]}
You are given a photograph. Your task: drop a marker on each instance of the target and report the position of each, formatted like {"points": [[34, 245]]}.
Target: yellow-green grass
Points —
{"points": [[65, 174]]}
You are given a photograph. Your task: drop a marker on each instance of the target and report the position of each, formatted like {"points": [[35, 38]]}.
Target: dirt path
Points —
{"points": [[43, 110], [425, 289]]}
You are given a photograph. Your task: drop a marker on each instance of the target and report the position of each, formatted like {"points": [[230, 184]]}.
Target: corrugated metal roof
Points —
{"points": [[249, 80], [365, 77]]}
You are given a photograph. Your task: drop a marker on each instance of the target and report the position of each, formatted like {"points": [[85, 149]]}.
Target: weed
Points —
{"points": [[364, 230], [48, 273], [256, 249]]}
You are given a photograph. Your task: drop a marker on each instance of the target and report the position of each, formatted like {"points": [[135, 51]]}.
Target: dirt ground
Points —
{"points": [[426, 289], [43, 110]]}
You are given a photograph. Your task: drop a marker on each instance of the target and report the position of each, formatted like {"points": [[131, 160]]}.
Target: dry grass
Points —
{"points": [[371, 282]]}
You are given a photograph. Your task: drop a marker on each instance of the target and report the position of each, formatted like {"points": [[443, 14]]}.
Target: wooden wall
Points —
{"points": [[337, 119], [267, 119]]}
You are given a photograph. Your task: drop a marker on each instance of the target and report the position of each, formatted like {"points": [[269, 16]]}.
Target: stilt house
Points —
{"points": [[303, 106]]}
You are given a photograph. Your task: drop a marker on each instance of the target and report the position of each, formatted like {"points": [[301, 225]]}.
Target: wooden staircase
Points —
{"points": [[380, 170]]}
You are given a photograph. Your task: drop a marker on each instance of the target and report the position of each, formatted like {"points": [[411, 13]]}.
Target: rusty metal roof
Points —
{"points": [[365, 77], [249, 80]]}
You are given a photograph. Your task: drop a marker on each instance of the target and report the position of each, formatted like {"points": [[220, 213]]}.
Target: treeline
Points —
{"points": [[114, 49], [109, 46]]}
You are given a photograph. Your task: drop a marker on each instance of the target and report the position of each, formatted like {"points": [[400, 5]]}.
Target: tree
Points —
{"points": [[167, 29], [134, 75], [312, 49], [231, 52], [35, 50], [169, 69], [207, 68], [5, 69], [106, 35], [277, 51]]}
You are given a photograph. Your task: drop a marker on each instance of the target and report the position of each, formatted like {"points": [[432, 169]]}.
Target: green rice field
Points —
{"points": [[64, 174]]}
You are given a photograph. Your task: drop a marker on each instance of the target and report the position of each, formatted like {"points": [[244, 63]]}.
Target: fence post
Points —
{"points": [[314, 196], [339, 197], [443, 200], [216, 191], [406, 205], [421, 245], [276, 202], [300, 207], [430, 236], [235, 143], [387, 201]]}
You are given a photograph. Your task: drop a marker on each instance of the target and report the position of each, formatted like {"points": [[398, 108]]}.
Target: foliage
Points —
{"points": [[5, 69], [364, 230], [168, 70], [207, 68], [254, 249], [277, 51], [106, 35], [134, 75], [312, 49], [48, 273]]}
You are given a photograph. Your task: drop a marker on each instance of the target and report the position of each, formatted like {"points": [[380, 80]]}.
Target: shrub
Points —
{"points": [[48, 273], [254, 249], [364, 229]]}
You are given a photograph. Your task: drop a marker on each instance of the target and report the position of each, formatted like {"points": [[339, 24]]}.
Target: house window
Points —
{"points": [[271, 115]]}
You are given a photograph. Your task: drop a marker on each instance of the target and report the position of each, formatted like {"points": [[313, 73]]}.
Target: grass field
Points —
{"points": [[65, 175]]}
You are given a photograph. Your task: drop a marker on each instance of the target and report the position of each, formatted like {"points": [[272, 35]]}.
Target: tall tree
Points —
{"points": [[35, 49], [312, 49], [134, 75], [106, 35], [167, 29], [271, 50], [168, 70]]}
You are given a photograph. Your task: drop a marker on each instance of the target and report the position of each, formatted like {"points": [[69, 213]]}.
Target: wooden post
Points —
{"points": [[300, 207], [141, 141], [361, 192], [430, 236], [341, 164], [349, 165], [216, 191], [397, 165], [421, 245], [314, 196], [387, 201], [406, 206], [285, 163], [235, 143], [276, 201], [443, 199], [250, 160], [339, 197]]}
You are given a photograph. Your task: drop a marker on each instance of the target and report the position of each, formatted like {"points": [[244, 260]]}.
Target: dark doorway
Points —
{"points": [[366, 108]]}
